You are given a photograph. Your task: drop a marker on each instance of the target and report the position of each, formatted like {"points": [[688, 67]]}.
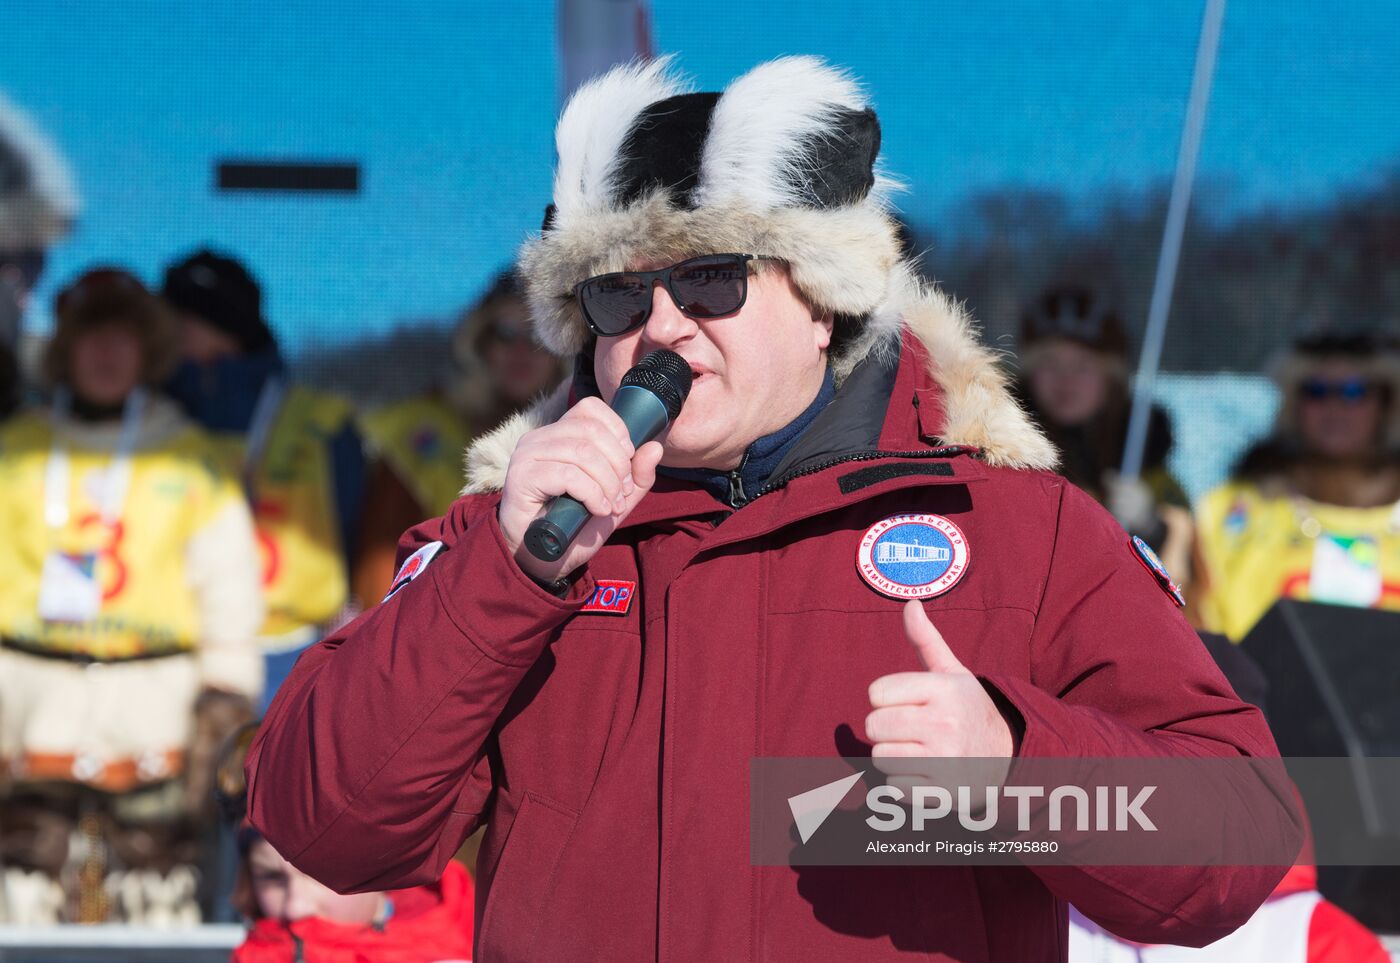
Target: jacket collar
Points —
{"points": [[929, 383]]}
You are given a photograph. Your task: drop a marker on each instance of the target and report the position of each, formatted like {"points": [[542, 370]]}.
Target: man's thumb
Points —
{"points": [[928, 641]]}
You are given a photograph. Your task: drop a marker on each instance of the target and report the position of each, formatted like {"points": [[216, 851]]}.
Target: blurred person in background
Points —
{"points": [[1074, 363], [129, 606], [293, 918], [11, 312], [1313, 511], [38, 205], [296, 450], [418, 444], [1296, 922]]}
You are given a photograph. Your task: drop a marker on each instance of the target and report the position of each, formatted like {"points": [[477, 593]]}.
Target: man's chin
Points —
{"points": [[684, 452]]}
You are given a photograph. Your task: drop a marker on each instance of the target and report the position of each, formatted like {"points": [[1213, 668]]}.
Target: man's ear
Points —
{"points": [[824, 325]]}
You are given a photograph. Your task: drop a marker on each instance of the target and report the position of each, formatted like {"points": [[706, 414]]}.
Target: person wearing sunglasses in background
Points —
{"points": [[729, 600], [416, 445], [1313, 511]]}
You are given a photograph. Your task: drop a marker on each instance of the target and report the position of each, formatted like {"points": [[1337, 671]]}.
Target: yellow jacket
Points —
{"points": [[179, 600], [304, 573], [423, 441], [1258, 547]]}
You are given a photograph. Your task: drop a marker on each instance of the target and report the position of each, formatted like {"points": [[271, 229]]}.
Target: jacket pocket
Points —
{"points": [[523, 880]]}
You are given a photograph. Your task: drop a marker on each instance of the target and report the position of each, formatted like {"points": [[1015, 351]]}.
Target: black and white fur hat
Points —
{"points": [[781, 163]]}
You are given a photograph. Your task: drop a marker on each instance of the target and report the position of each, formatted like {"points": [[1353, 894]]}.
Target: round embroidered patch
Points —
{"points": [[1153, 564], [912, 556]]}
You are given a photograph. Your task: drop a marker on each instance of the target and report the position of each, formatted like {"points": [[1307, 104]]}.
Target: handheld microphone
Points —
{"points": [[649, 399]]}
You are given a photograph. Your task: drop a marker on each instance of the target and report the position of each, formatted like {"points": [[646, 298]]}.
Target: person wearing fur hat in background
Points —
{"points": [[127, 549], [1074, 364], [417, 444], [38, 205], [1313, 511], [296, 449], [728, 599]]}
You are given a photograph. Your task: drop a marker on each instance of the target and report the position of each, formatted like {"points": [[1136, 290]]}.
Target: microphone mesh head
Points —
{"points": [[666, 375]]}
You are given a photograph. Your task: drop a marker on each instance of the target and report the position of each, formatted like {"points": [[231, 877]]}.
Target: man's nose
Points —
{"points": [[667, 325]]}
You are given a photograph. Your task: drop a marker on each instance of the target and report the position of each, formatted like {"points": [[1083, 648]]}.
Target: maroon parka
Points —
{"points": [[609, 754]]}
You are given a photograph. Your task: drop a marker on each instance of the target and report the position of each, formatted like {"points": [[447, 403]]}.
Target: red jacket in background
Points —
{"points": [[609, 754], [430, 923]]}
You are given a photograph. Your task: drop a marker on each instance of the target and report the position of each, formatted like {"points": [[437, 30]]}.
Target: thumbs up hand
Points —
{"points": [[941, 712]]}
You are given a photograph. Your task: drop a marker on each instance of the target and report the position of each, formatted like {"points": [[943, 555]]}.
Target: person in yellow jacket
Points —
{"points": [[129, 605], [1313, 512], [417, 445], [296, 450]]}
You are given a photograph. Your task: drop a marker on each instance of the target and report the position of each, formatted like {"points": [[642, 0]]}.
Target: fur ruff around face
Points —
{"points": [[978, 405]]}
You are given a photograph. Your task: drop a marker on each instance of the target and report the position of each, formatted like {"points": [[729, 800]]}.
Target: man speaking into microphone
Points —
{"points": [[849, 534]]}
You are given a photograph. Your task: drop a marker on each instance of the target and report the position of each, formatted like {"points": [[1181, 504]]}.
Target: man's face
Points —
{"points": [[203, 342], [1069, 382], [106, 363], [519, 369], [754, 370], [1340, 411]]}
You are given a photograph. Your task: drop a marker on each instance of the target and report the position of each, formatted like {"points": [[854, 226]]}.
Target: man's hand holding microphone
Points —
{"points": [[571, 483]]}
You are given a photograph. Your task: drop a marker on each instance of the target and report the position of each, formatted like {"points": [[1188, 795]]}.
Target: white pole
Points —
{"points": [[1170, 253], [597, 35]]}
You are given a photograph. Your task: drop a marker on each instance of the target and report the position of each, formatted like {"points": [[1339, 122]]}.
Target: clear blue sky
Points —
{"points": [[449, 107]]}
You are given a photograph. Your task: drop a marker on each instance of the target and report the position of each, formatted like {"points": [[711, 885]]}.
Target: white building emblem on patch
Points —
{"points": [[913, 556]]}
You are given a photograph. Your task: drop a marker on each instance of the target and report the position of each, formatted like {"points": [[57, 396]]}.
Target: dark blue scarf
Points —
{"points": [[221, 396]]}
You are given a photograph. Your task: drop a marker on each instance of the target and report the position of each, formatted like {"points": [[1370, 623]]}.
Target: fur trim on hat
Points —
{"points": [[753, 191], [978, 404], [38, 202]]}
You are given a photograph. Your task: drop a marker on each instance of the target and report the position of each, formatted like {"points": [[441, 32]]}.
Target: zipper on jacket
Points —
{"points": [[737, 497], [778, 483]]}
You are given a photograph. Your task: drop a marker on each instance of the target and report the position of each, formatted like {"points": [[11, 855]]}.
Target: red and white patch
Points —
{"points": [[915, 556], [611, 597], [413, 566]]}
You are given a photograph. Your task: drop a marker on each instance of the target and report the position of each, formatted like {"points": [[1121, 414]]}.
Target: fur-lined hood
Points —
{"points": [[978, 405]]}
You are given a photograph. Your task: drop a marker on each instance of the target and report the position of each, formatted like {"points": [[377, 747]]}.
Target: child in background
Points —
{"points": [[295, 919]]}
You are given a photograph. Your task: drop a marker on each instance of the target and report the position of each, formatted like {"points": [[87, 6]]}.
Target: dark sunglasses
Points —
{"points": [[1351, 390], [710, 286]]}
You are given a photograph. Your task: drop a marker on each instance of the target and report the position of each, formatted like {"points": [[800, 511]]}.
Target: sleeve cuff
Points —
{"points": [[494, 603], [1025, 710]]}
